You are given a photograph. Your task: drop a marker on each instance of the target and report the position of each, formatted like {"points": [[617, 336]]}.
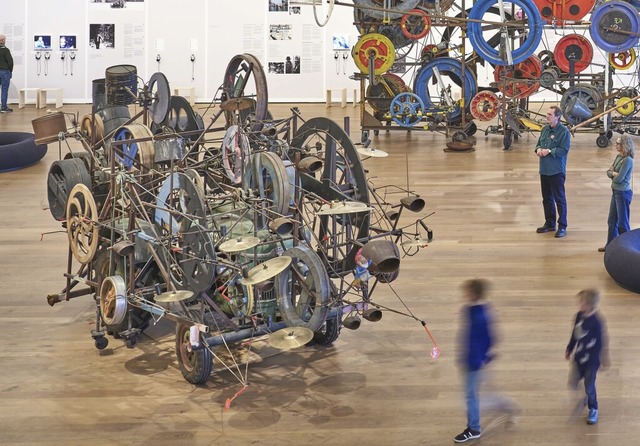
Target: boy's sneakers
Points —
{"points": [[466, 435], [592, 418], [6, 110]]}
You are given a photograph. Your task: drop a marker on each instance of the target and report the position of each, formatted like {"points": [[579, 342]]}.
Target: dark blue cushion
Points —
{"points": [[622, 260], [18, 150]]}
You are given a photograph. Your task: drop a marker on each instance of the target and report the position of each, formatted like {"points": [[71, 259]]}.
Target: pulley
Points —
{"points": [[622, 60], [376, 47], [380, 94], [557, 11], [519, 81], [529, 41], [485, 106], [573, 48], [432, 73], [615, 26], [549, 77]]}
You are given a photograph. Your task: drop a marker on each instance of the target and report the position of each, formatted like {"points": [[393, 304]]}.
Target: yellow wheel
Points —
{"points": [[379, 48], [623, 60], [625, 106]]}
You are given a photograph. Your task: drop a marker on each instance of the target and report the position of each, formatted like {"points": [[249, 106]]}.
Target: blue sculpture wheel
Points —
{"points": [[448, 67], [130, 151], [609, 17], [406, 109], [621, 260], [18, 150], [534, 26]]}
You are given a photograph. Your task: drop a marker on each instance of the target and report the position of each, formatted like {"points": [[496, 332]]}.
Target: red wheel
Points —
{"points": [[485, 106], [378, 47], [573, 47], [623, 60], [415, 24], [562, 10], [519, 81]]}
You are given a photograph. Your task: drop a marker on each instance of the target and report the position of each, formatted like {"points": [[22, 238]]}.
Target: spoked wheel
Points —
{"points": [[245, 77], [196, 365], [303, 289], [141, 152], [190, 262], [82, 231], [342, 178]]}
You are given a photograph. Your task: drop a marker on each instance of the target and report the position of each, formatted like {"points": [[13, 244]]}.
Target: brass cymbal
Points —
{"points": [[236, 104], [241, 243], [266, 270], [342, 207], [415, 243], [174, 296], [290, 337], [373, 153]]}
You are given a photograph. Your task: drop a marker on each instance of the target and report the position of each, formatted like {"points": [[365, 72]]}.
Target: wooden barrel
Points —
{"points": [[121, 84], [48, 128]]}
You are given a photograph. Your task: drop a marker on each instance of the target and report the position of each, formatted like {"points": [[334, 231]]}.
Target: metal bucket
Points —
{"points": [[384, 254], [99, 94], [121, 83], [48, 128]]}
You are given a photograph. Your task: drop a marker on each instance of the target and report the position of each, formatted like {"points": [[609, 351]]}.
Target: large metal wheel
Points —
{"points": [[303, 289], [238, 77], [82, 228], [342, 178], [196, 365]]}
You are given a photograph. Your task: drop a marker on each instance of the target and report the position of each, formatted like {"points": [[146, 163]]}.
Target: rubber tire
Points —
{"points": [[196, 366]]}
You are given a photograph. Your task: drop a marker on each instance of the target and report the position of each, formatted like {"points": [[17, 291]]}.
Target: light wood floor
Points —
{"points": [[376, 385]]}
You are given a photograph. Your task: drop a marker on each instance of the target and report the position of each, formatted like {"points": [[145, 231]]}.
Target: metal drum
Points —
{"points": [[48, 128], [384, 255], [63, 176], [99, 94], [121, 84]]}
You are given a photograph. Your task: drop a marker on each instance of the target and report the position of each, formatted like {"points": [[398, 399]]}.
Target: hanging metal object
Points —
{"points": [[615, 26], [573, 48]]}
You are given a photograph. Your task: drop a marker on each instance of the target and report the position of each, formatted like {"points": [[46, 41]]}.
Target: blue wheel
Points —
{"points": [[451, 68], [612, 16], [129, 150], [532, 38], [406, 109]]}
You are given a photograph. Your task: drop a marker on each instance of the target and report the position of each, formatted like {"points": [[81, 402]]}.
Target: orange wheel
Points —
{"points": [[415, 24], [485, 106], [573, 47], [519, 81]]}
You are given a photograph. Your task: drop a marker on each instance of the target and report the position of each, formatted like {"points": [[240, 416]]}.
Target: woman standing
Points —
{"points": [[621, 173]]}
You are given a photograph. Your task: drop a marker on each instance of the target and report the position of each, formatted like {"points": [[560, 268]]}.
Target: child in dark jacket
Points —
{"points": [[589, 345]]}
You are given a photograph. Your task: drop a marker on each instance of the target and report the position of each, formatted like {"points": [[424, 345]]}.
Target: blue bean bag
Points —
{"points": [[18, 150], [622, 260]]}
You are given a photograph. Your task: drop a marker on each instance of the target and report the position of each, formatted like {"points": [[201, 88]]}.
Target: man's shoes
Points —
{"points": [[6, 110], [602, 249], [467, 435], [561, 233], [545, 228], [592, 418]]}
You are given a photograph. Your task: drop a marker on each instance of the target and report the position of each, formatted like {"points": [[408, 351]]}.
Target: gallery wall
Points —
{"points": [[193, 39]]}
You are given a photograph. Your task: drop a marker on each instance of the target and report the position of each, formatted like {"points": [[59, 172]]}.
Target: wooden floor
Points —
{"points": [[375, 386]]}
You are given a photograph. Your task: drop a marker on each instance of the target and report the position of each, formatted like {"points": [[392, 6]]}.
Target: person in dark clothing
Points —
{"points": [[552, 150], [476, 341], [589, 345], [6, 72]]}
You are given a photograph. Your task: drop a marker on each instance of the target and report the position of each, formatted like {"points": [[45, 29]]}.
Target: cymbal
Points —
{"points": [[290, 337], [415, 243], [174, 296], [235, 104], [373, 153], [342, 207], [266, 270], [239, 244]]}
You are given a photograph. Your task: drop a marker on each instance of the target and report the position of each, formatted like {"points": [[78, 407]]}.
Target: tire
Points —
{"points": [[196, 365], [329, 332], [602, 141]]}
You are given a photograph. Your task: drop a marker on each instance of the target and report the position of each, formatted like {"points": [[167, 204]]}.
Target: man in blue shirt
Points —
{"points": [[552, 150]]}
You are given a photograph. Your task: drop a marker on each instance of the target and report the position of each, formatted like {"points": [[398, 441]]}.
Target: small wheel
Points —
{"points": [[459, 136], [101, 342], [196, 365], [329, 332], [131, 341], [602, 141], [365, 136]]}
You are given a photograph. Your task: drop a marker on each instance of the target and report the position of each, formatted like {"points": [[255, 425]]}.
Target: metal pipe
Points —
{"points": [[232, 337]]}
